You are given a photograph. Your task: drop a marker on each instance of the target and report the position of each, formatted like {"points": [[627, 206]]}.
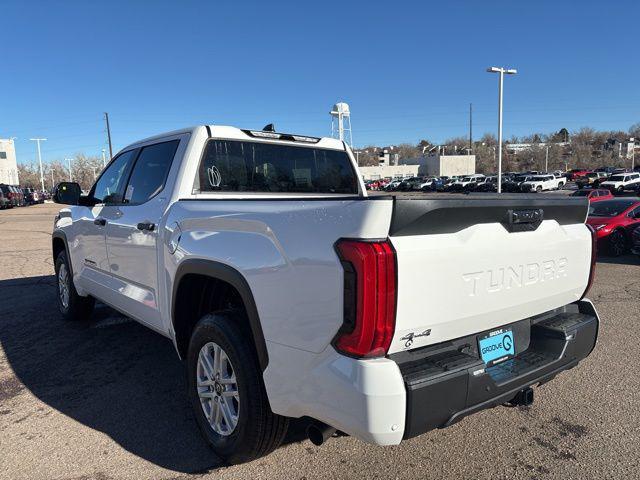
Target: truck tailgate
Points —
{"points": [[466, 265]]}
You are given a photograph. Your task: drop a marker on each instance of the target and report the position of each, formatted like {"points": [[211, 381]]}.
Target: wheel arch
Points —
{"points": [[217, 271], [59, 243]]}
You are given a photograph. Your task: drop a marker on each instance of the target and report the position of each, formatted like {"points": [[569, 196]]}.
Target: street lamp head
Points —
{"points": [[508, 71]]}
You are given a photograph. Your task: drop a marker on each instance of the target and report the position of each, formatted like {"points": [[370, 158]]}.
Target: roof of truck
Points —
{"points": [[229, 132]]}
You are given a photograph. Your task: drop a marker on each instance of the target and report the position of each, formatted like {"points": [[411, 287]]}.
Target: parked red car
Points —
{"points": [[613, 221], [576, 173], [594, 195]]}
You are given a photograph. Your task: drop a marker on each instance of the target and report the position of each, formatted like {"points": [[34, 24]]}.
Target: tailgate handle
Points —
{"points": [[524, 220]]}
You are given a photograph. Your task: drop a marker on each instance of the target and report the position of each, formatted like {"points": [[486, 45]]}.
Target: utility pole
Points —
{"points": [[633, 152], [69, 162], [546, 161], [104, 160], [53, 182], [38, 140], [106, 119], [501, 71], [470, 128]]}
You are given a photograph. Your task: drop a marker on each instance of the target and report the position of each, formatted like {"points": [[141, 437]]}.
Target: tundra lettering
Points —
{"points": [[495, 280]]}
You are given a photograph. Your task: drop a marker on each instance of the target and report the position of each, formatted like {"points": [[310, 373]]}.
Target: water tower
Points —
{"points": [[341, 122]]}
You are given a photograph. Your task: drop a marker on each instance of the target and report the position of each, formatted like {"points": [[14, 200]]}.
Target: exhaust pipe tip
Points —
{"points": [[319, 433]]}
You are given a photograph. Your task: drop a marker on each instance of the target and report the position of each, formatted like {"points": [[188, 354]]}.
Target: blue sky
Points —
{"points": [[408, 69]]}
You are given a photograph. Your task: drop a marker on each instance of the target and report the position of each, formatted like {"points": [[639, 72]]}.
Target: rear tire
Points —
{"points": [[72, 306], [618, 244], [254, 430]]}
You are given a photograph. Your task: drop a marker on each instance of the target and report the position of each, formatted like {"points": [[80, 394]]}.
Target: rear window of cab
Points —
{"points": [[241, 166]]}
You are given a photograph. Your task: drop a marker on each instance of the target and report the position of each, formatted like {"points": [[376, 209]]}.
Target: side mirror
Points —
{"points": [[67, 193]]}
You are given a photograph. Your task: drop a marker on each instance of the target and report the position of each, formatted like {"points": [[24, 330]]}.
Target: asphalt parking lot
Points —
{"points": [[107, 399]]}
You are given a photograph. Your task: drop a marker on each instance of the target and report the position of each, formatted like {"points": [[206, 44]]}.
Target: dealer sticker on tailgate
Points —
{"points": [[496, 346]]}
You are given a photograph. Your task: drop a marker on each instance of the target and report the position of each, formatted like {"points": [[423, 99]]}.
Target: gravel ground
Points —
{"points": [[106, 400]]}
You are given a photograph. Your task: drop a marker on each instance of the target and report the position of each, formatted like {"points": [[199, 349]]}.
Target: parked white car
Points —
{"points": [[290, 293], [464, 182], [429, 182], [620, 182], [539, 183]]}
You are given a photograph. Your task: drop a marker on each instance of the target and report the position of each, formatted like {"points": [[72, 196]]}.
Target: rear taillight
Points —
{"points": [[594, 253], [369, 298]]}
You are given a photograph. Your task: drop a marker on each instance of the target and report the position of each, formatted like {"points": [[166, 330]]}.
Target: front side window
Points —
{"points": [[635, 213], [110, 186], [236, 166], [150, 172]]}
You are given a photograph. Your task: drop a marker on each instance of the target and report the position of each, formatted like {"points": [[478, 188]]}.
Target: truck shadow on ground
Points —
{"points": [[110, 374], [627, 259]]}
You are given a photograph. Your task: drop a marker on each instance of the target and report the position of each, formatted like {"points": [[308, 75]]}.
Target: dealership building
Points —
{"points": [[8, 163], [436, 165]]}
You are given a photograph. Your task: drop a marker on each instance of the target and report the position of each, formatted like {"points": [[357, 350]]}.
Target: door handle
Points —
{"points": [[148, 226], [100, 221]]}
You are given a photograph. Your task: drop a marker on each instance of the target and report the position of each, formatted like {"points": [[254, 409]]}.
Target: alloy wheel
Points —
{"points": [[218, 389], [63, 285], [617, 243]]}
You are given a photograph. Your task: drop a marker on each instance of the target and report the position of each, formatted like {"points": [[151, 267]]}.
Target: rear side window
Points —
{"points": [[236, 166], [150, 172]]}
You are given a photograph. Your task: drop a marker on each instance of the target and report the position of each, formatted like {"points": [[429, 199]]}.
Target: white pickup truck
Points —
{"points": [[539, 183], [620, 182], [289, 292]]}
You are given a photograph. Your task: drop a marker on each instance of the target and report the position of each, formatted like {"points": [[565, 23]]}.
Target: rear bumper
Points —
{"points": [[385, 400], [449, 381]]}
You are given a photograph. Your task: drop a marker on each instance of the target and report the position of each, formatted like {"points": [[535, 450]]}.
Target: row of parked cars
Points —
{"points": [[614, 180], [14, 196], [511, 182]]}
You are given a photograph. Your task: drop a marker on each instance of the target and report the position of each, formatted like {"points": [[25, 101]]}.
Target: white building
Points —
{"points": [[379, 172], [444, 165], [516, 148], [8, 162], [434, 165]]}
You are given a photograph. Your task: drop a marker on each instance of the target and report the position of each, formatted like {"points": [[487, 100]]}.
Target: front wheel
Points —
{"points": [[72, 306], [617, 243], [538, 189], [227, 392]]}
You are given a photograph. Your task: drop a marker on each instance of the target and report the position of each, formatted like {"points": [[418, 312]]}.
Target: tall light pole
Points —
{"points": [[104, 160], [38, 140], [69, 162], [53, 182], [546, 161], [501, 71]]}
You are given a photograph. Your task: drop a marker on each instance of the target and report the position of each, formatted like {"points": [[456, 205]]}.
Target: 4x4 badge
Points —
{"points": [[410, 336]]}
